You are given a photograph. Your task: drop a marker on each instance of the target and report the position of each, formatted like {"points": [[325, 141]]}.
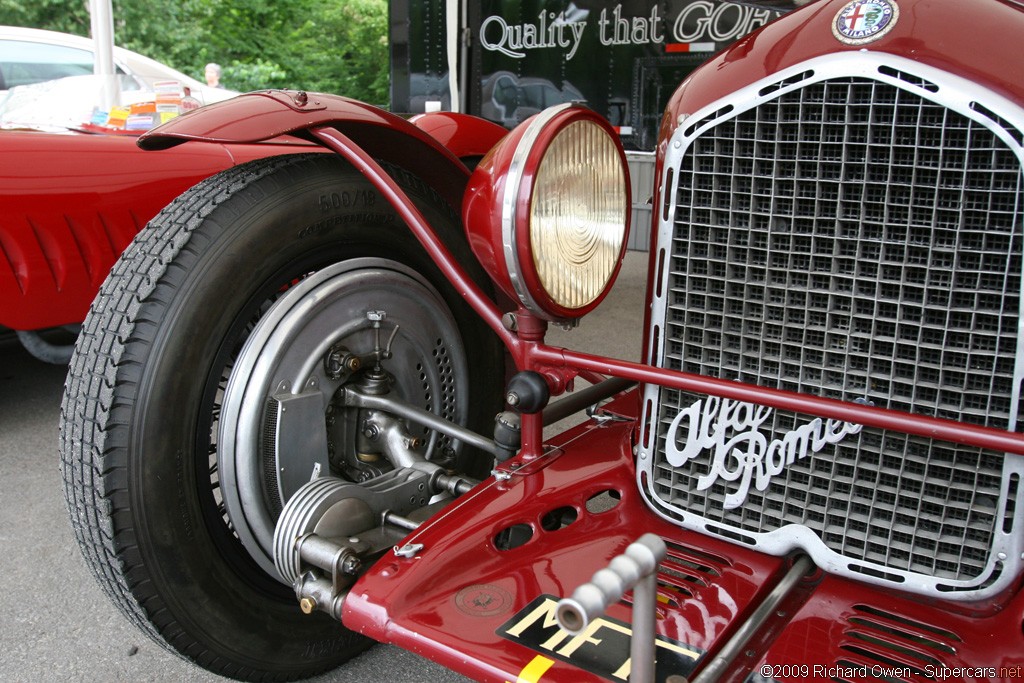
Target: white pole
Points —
{"points": [[453, 32], [101, 16]]}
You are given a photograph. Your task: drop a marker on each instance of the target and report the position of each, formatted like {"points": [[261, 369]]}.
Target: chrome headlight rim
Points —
{"points": [[517, 202]]}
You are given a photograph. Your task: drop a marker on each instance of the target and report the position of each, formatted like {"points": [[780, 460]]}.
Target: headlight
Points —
{"points": [[548, 212]]}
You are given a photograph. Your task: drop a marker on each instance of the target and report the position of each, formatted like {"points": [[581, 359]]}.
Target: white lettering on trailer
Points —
{"points": [[551, 31], [620, 30], [720, 22], [701, 24], [741, 453]]}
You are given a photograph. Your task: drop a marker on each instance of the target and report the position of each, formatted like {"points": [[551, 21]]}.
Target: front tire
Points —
{"points": [[140, 434]]}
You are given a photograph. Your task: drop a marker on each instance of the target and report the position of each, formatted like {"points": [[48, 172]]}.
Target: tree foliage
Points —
{"points": [[339, 47]]}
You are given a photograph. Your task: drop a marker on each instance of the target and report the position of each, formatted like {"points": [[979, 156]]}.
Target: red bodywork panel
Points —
{"points": [[979, 53], [264, 115], [72, 203], [487, 613], [466, 137]]}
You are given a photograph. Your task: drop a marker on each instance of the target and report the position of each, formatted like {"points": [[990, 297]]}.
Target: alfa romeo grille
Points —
{"points": [[857, 237]]}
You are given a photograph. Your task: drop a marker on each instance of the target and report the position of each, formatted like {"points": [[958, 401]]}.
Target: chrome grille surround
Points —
{"points": [[852, 228]]}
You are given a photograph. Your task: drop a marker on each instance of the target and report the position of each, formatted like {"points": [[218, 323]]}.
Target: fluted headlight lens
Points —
{"points": [[578, 214]]}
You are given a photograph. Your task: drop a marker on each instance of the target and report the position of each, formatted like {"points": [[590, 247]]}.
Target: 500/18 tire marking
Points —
{"points": [[344, 200]]}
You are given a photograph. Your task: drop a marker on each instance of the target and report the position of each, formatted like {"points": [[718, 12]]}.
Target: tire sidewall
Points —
{"points": [[303, 216]]}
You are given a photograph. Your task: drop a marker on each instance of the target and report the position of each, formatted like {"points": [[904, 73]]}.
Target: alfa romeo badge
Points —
{"points": [[865, 21]]}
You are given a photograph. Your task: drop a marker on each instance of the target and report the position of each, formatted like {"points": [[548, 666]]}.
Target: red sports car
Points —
{"points": [[69, 205]]}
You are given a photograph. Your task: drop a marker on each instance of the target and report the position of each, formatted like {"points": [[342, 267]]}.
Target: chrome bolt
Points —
{"points": [[408, 550]]}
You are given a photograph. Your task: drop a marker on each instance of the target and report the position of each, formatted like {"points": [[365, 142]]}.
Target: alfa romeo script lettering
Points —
{"points": [[740, 452]]}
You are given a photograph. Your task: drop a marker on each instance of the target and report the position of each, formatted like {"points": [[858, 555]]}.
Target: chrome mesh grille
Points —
{"points": [[854, 240]]}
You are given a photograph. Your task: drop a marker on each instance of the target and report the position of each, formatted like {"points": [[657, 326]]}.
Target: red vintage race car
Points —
{"points": [[281, 411]]}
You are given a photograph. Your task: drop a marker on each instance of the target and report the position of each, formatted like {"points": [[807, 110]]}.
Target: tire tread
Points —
{"points": [[102, 382]]}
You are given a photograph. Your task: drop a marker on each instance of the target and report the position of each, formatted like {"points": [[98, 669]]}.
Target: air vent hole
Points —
{"points": [[1011, 502], [682, 574], [897, 649], [887, 661], [513, 537], [731, 535], [922, 83], [911, 623], [700, 560], [876, 573], [666, 200], [559, 518], [915, 638], [603, 501]]}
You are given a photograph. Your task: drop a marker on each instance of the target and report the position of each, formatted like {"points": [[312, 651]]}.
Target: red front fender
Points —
{"points": [[263, 115]]}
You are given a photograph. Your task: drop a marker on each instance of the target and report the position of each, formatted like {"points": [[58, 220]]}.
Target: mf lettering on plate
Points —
{"points": [[602, 648]]}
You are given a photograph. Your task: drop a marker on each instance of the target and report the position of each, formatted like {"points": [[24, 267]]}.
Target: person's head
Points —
{"points": [[213, 75]]}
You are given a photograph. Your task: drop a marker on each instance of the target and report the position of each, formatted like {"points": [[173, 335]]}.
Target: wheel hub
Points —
{"points": [[278, 426]]}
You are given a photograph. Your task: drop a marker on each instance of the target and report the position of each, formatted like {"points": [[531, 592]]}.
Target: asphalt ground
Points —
{"points": [[55, 622]]}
